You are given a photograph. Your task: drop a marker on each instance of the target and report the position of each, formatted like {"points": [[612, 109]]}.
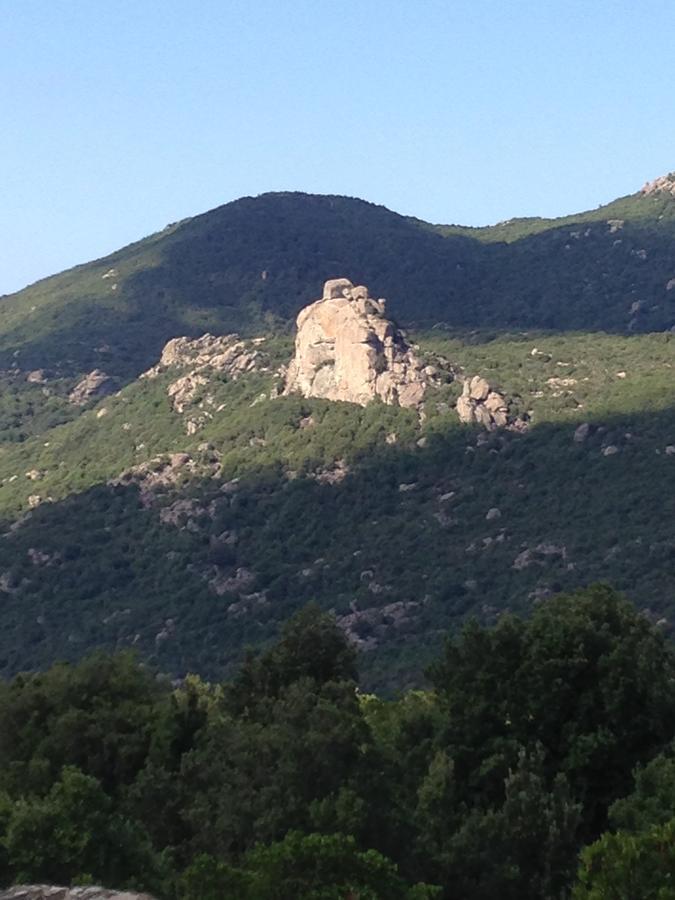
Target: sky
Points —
{"points": [[120, 116]]}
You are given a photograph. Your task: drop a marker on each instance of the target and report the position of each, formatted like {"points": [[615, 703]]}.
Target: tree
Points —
{"points": [[587, 677], [629, 866], [73, 833], [521, 849], [157, 796], [299, 761], [98, 715], [304, 867], [652, 801], [311, 646]]}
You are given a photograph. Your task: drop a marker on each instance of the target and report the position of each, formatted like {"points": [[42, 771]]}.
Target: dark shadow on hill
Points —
{"points": [[268, 257], [406, 546], [251, 265]]}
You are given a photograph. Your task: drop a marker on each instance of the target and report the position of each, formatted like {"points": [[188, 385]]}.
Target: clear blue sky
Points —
{"points": [[119, 116]]}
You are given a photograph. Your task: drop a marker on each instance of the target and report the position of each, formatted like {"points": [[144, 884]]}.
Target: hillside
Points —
{"points": [[190, 529], [278, 501], [254, 263]]}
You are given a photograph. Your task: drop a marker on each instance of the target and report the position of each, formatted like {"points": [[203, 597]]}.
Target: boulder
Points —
{"points": [[494, 402], [483, 417], [581, 432], [347, 349], [337, 287], [479, 403], [37, 376], [479, 388], [465, 410], [95, 384]]}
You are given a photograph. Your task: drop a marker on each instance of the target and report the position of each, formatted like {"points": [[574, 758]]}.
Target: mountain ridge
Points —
{"points": [[253, 263], [659, 184]]}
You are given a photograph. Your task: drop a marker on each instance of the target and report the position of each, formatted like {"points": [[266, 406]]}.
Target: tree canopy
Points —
{"points": [[542, 745]]}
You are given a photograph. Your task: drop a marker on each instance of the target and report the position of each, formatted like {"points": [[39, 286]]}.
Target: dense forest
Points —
{"points": [[538, 764]]}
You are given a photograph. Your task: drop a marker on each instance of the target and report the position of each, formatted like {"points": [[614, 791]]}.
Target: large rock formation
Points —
{"points": [[347, 349]]}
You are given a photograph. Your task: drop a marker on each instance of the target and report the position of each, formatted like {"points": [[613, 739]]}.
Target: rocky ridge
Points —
{"points": [[224, 353], [665, 184], [203, 357], [347, 349]]}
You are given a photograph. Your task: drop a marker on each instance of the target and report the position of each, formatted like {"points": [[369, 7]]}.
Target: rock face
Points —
{"points": [[663, 185], [225, 353], [347, 349], [48, 892], [480, 404], [198, 359], [95, 384]]}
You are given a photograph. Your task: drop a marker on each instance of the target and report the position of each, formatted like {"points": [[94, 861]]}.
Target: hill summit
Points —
{"points": [[251, 266]]}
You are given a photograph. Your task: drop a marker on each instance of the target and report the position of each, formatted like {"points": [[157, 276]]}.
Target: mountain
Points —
{"points": [[257, 261], [190, 511]]}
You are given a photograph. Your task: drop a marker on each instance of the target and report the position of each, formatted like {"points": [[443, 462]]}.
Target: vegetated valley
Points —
{"points": [[178, 500]]}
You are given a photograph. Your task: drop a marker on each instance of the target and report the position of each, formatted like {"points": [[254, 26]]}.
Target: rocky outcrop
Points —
{"points": [[539, 555], [226, 353], [184, 390], [203, 357], [49, 892], [240, 581], [94, 385], [347, 349], [37, 376], [663, 185], [366, 628], [163, 473], [480, 404]]}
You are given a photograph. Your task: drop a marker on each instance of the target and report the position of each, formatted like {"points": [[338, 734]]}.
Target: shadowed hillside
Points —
{"points": [[402, 528], [255, 262]]}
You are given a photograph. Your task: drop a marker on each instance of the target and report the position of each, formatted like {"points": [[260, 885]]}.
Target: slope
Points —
{"points": [[254, 263], [403, 528]]}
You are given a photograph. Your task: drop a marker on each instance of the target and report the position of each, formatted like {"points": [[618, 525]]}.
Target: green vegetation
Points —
{"points": [[533, 769], [255, 263], [528, 747], [110, 565], [400, 548]]}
